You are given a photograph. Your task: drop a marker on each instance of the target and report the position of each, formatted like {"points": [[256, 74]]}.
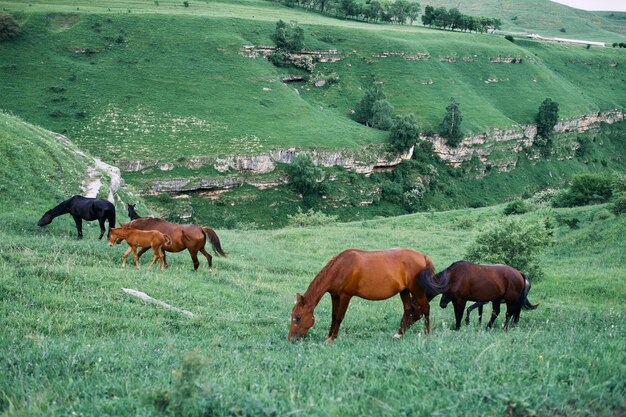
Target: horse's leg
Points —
{"points": [[480, 313], [136, 257], [477, 305], [156, 256], [126, 256], [79, 225], [102, 229], [194, 258], [459, 309], [516, 313], [512, 310], [208, 257], [142, 251], [344, 300], [420, 305], [408, 317], [495, 310], [333, 323], [161, 257]]}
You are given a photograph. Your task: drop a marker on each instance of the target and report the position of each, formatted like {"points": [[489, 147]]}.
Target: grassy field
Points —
{"points": [[72, 343]]}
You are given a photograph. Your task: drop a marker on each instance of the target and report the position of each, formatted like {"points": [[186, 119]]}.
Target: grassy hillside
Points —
{"points": [[146, 81], [37, 167], [546, 18], [71, 342]]}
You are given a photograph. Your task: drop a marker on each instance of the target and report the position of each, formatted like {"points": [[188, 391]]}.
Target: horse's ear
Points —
{"points": [[299, 299]]}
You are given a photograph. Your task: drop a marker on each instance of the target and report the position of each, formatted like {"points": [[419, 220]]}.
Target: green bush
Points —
{"points": [[603, 214], [404, 133], [9, 29], [310, 218], [516, 207], [304, 175], [618, 205], [289, 37], [392, 192], [513, 242], [585, 189]]}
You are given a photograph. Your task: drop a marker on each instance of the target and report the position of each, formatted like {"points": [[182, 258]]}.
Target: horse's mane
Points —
{"points": [[314, 291], [60, 208], [440, 281]]}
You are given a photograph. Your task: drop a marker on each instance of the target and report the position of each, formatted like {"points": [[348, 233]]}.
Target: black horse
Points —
{"points": [[132, 213], [83, 208]]}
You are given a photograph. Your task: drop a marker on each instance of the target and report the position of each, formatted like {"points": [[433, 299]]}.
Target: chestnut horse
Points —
{"points": [[183, 236], [463, 281], [144, 238], [373, 275]]}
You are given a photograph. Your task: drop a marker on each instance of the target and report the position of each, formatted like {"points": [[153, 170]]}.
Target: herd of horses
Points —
{"points": [[372, 275]]}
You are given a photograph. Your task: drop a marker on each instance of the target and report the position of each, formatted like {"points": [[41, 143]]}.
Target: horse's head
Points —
{"points": [[46, 219], [302, 319], [114, 237], [443, 303]]}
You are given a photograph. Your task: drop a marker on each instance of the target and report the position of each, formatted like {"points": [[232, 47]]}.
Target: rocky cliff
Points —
{"points": [[507, 141]]}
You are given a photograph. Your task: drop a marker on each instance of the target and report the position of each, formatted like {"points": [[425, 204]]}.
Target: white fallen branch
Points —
{"points": [[149, 299]]}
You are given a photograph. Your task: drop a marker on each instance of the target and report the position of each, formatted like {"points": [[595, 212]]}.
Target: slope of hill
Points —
{"points": [[148, 81], [36, 166], [544, 17], [163, 88]]}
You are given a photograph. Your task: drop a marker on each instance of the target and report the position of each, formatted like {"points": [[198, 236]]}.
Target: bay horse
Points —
{"points": [[183, 236], [132, 214], [143, 238], [463, 281], [83, 208], [372, 275]]}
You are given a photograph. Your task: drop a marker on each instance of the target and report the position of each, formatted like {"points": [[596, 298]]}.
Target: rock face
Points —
{"points": [[509, 141], [512, 140]]}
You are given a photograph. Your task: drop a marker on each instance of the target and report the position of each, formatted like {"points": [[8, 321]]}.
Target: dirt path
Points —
{"points": [[94, 181]]}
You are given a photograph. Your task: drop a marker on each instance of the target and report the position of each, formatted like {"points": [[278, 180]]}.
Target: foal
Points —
{"points": [[144, 238]]}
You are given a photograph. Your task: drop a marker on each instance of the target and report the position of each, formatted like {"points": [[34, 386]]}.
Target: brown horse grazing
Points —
{"points": [[144, 238], [463, 281], [183, 236], [373, 275]]}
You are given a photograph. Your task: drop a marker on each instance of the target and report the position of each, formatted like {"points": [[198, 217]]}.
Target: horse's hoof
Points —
{"points": [[397, 336], [329, 339]]}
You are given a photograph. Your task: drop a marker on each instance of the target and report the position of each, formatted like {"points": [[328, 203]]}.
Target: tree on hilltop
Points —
{"points": [[288, 37]]}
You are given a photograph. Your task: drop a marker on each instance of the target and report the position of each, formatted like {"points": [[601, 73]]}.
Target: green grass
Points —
{"points": [[73, 342]]}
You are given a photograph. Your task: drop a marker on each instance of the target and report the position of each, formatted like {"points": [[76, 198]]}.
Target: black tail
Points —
{"points": [[432, 283], [526, 305], [215, 241]]}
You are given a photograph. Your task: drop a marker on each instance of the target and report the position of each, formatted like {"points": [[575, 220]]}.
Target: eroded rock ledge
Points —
{"points": [[363, 161]]}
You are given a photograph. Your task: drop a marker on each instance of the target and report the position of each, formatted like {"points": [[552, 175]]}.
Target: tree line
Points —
{"points": [[399, 12], [453, 19]]}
